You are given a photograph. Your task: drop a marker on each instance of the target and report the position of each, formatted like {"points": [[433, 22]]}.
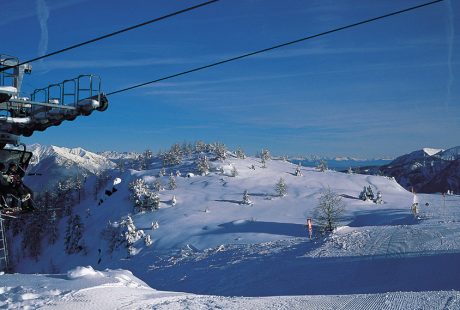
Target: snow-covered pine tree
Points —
{"points": [[73, 240], [378, 198], [178, 173], [129, 235], [200, 147], [281, 188], [202, 165], [234, 171], [298, 172], [370, 193], [157, 185], [173, 201], [220, 150], [174, 156], [142, 196], [172, 183], [263, 162], [246, 200], [363, 195], [265, 155], [322, 166], [148, 240], [240, 153]]}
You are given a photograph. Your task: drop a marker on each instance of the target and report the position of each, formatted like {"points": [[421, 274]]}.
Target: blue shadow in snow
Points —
{"points": [[381, 217], [273, 228]]}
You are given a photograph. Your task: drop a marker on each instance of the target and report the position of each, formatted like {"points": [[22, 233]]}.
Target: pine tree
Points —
{"points": [[363, 195], [322, 166], [142, 196], [265, 155], [246, 200], [219, 149], [202, 165], [263, 162], [378, 198], [178, 173], [200, 146], [34, 230], [145, 159], [73, 240], [173, 201], [129, 235], [298, 172], [370, 193], [148, 240], [112, 235], [240, 153], [172, 183], [157, 185], [174, 156], [281, 188], [350, 171], [234, 171]]}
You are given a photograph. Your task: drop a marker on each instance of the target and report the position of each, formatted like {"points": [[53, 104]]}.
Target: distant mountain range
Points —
{"points": [[339, 163], [427, 170], [51, 164]]}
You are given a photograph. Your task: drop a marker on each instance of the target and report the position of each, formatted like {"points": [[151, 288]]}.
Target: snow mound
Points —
{"points": [[80, 272]]}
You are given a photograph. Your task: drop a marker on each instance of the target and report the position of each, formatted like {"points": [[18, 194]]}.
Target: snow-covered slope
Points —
{"points": [[85, 288], [210, 243], [51, 164]]}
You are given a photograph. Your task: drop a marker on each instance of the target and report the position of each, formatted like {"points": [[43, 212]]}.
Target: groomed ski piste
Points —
{"points": [[211, 251]]}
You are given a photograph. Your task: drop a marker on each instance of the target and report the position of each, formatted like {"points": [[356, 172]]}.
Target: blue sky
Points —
{"points": [[382, 89]]}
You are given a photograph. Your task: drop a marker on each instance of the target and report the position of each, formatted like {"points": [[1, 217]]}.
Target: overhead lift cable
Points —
{"points": [[276, 46], [112, 34]]}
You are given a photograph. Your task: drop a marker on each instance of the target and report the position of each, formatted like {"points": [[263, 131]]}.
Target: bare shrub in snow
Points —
{"points": [[329, 211]]}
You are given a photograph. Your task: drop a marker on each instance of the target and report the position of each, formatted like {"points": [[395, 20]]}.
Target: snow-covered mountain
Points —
{"points": [[114, 156], [427, 170], [51, 164], [205, 240]]}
